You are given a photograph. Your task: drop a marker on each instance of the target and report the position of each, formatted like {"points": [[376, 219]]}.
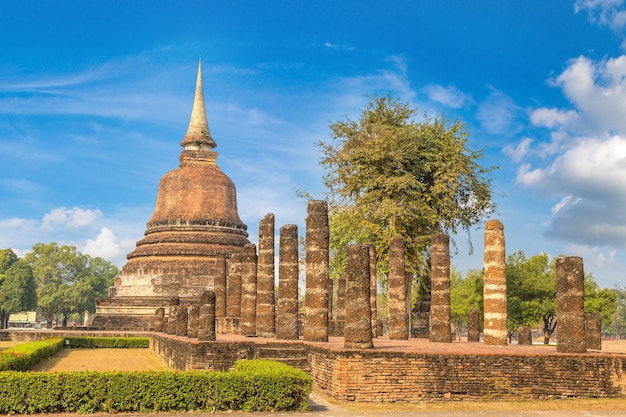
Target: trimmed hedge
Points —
{"points": [[108, 342], [23, 357], [258, 385]]}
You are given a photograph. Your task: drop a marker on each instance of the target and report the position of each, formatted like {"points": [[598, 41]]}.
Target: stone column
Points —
{"points": [[570, 292], [159, 320], [206, 317], [193, 312], [220, 286], [233, 303], [288, 274], [178, 316], [331, 296], [373, 287], [473, 326], [440, 329], [524, 336], [265, 306], [397, 291], [358, 322], [317, 273], [170, 323], [247, 325], [341, 298], [593, 331], [494, 294]]}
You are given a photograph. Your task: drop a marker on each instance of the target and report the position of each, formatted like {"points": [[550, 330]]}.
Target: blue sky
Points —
{"points": [[95, 98]]}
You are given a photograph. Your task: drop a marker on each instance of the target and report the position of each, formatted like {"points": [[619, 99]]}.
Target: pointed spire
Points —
{"points": [[198, 135]]}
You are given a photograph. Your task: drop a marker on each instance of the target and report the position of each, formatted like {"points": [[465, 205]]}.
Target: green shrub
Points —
{"points": [[23, 357], [253, 386], [108, 342]]}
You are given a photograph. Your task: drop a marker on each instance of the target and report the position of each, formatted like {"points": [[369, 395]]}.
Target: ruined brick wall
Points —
{"points": [[184, 354], [390, 377]]}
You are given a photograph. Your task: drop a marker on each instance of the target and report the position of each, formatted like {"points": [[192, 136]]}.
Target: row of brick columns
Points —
{"points": [[244, 292]]}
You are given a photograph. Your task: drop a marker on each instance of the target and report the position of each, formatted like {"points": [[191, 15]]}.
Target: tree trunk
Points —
{"points": [[549, 325]]}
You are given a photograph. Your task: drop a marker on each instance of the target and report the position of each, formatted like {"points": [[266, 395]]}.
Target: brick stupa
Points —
{"points": [[195, 222]]}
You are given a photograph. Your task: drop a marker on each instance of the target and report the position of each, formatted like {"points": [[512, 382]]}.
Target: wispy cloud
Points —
{"points": [[449, 96], [498, 114], [609, 13], [339, 47]]}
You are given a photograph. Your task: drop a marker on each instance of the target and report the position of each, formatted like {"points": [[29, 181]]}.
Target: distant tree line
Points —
{"points": [[57, 281], [531, 297]]}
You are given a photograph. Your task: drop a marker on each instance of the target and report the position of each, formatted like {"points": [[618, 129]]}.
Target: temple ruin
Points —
{"points": [[194, 225], [209, 298]]}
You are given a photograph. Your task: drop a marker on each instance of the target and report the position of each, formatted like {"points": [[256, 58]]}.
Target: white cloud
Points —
{"points": [[589, 179], [331, 45], [598, 92], [516, 153], [72, 218], [498, 113], [449, 96], [552, 118], [609, 13], [106, 245], [394, 80]]}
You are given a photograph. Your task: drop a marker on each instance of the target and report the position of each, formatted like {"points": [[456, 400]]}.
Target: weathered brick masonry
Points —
{"points": [[395, 376], [371, 376]]}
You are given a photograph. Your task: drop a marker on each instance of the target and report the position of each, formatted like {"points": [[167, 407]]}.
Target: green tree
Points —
{"points": [[531, 292], [618, 319], [465, 294], [600, 300], [7, 257], [67, 281], [387, 175], [17, 292]]}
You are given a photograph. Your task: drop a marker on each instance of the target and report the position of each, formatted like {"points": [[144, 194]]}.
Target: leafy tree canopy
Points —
{"points": [[388, 174], [68, 281]]}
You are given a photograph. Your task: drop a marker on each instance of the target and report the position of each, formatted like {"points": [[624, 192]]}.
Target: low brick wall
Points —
{"points": [[405, 377], [188, 354], [397, 376]]}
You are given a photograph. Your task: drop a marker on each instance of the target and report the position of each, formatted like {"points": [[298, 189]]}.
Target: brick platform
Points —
{"points": [[404, 370]]}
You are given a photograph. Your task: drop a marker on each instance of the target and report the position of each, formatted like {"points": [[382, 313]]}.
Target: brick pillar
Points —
{"points": [[178, 316], [524, 336], [473, 326], [570, 292], [373, 287], [206, 317], [397, 291], [593, 331], [288, 274], [341, 298], [316, 294], [170, 323], [440, 328], [265, 306], [247, 325], [331, 296], [358, 322], [159, 320], [233, 303], [220, 286], [193, 312], [494, 294]]}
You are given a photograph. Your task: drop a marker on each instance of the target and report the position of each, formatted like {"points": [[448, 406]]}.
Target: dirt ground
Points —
{"points": [[102, 360]]}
